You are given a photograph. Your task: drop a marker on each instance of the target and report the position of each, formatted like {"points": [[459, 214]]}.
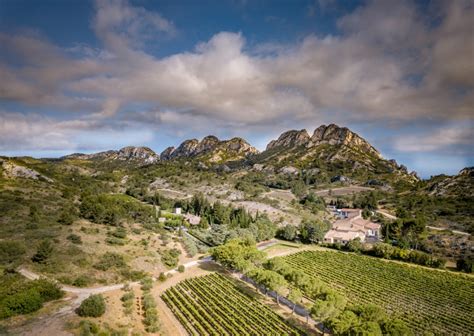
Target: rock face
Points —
{"points": [[331, 134], [211, 149], [335, 135], [291, 138], [166, 154], [144, 154], [140, 155], [333, 150], [13, 170], [461, 184]]}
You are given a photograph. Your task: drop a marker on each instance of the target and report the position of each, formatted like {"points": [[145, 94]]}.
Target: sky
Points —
{"points": [[86, 76]]}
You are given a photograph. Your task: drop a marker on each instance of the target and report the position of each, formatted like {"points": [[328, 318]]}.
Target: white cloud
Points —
{"points": [[448, 138], [365, 74]]}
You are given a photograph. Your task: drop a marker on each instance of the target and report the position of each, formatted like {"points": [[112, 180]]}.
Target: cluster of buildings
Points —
{"points": [[351, 225]]}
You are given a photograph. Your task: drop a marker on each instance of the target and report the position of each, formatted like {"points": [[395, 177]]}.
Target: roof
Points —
{"points": [[343, 235]]}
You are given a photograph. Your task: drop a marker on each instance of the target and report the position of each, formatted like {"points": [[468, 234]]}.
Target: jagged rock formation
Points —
{"points": [[140, 155], [12, 170], [290, 139], [331, 149], [210, 149], [461, 184], [335, 135]]}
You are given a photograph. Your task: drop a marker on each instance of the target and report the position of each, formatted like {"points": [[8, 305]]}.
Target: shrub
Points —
{"points": [[115, 241], [181, 268], [162, 277], [48, 290], [74, 238], [147, 283], [22, 302], [93, 306], [81, 281], [109, 260], [45, 250], [170, 257], [11, 251]]}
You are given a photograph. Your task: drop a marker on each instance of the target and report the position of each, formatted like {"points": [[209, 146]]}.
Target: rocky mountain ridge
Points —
{"points": [[142, 155], [330, 150], [460, 184], [331, 134], [212, 149]]}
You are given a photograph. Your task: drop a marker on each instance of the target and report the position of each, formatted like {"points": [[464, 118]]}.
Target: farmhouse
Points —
{"points": [[351, 225]]}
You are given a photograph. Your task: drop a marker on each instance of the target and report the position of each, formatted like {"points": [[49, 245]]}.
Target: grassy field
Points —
{"points": [[428, 300], [213, 305]]}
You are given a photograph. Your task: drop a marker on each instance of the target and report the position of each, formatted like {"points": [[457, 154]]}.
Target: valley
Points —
{"points": [[160, 236]]}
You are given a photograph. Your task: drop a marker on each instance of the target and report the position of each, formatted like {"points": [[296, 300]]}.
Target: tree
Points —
{"points": [[313, 231], [288, 232], [271, 281], [328, 306], [396, 327], [342, 324], [44, 251], [355, 245], [203, 223], [295, 296], [465, 264], [237, 254], [93, 306], [298, 188]]}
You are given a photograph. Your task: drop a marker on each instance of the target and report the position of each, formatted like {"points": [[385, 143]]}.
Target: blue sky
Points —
{"points": [[85, 76]]}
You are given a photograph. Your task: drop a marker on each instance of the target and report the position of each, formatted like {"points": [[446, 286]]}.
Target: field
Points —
{"points": [[428, 300], [213, 305]]}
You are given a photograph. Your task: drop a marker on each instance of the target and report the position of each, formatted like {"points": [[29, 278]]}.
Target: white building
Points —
{"points": [[350, 226]]}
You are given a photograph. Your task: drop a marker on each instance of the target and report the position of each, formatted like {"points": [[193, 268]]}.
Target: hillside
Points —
{"points": [[332, 154]]}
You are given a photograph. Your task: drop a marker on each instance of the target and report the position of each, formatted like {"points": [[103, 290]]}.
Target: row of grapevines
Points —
{"points": [[433, 300], [214, 305]]}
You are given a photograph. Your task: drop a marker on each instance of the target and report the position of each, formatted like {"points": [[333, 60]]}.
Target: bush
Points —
{"points": [[170, 257], [48, 290], [74, 238], [11, 251], [23, 302], [93, 306], [162, 277], [109, 260], [45, 250], [147, 283], [81, 281], [181, 268]]}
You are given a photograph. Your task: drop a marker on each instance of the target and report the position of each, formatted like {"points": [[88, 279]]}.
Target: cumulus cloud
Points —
{"points": [[390, 64]]}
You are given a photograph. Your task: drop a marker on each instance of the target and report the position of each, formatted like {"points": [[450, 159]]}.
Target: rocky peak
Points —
{"points": [[335, 135], [291, 138], [144, 154], [206, 144], [239, 145], [166, 154], [186, 149], [236, 148]]}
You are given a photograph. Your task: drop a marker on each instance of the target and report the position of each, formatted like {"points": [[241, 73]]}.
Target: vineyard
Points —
{"points": [[427, 300], [213, 305]]}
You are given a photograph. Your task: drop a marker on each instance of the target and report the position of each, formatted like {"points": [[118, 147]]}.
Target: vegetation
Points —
{"points": [[238, 254], [93, 306], [214, 305], [170, 257], [151, 319], [20, 296], [426, 300]]}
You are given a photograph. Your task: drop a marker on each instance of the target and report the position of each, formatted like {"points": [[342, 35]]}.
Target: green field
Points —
{"points": [[214, 305], [427, 300]]}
